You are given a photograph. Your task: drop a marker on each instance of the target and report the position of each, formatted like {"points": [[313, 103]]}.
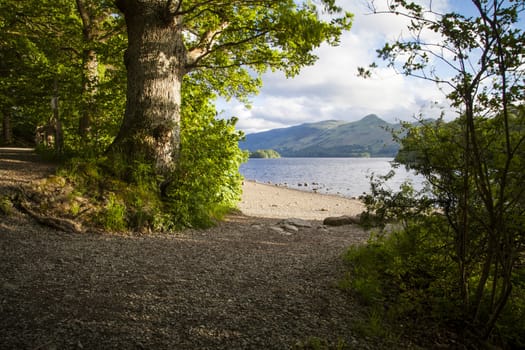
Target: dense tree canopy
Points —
{"points": [[32, 59], [131, 84], [48, 44]]}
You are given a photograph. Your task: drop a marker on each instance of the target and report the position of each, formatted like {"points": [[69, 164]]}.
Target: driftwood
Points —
{"points": [[341, 220], [61, 224]]}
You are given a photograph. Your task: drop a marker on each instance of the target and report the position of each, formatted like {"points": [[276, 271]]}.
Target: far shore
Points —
{"points": [[273, 201]]}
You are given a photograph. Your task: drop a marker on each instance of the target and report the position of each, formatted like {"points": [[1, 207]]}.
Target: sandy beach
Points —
{"points": [[271, 201]]}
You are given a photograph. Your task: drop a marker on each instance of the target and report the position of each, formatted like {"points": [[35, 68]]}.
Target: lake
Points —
{"points": [[348, 177]]}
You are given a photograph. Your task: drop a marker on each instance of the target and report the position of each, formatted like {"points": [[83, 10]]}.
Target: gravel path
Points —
{"points": [[245, 284]]}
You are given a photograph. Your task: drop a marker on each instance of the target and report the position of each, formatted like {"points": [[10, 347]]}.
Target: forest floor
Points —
{"points": [[243, 284]]}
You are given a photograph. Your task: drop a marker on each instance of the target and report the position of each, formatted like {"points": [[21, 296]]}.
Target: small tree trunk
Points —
{"points": [[55, 121], [89, 90], [155, 61], [92, 22], [7, 132]]}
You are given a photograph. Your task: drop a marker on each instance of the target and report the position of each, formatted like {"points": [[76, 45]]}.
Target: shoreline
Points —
{"points": [[274, 201], [307, 187]]}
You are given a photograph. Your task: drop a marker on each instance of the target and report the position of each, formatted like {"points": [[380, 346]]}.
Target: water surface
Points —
{"points": [[347, 177]]}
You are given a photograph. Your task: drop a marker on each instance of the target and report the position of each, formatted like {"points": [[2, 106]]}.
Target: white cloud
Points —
{"points": [[251, 125], [331, 88]]}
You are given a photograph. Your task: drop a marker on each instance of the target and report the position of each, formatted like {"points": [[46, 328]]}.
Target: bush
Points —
{"points": [[114, 204], [207, 183], [407, 278], [113, 216], [204, 187]]}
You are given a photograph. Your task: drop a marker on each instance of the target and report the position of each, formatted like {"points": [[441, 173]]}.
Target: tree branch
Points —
{"points": [[205, 45], [86, 18], [199, 55]]}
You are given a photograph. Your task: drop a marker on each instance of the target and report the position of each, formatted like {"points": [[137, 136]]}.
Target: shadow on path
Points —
{"points": [[22, 165]]}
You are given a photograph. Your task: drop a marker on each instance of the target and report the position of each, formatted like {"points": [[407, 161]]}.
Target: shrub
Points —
{"points": [[113, 216], [207, 183], [409, 276], [204, 187]]}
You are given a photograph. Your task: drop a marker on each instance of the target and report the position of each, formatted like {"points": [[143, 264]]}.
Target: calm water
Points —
{"points": [[347, 177]]}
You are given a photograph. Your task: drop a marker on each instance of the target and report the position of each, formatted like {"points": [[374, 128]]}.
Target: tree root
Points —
{"points": [[61, 224]]}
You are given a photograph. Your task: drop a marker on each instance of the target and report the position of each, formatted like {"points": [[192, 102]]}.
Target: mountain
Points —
{"points": [[370, 136]]}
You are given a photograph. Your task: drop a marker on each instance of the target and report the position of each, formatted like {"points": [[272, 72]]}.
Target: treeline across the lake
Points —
{"points": [[264, 153]]}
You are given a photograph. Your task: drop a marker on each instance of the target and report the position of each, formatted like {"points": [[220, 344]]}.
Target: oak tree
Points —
{"points": [[169, 39]]}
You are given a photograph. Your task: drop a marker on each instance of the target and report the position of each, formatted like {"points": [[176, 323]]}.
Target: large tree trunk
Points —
{"points": [[155, 61]]}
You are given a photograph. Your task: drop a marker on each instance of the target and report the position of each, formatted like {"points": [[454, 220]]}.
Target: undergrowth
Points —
{"points": [[124, 198], [407, 281]]}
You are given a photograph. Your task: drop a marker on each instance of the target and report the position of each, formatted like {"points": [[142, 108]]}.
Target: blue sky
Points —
{"points": [[331, 88]]}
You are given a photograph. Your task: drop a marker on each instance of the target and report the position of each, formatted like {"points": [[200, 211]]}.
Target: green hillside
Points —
{"points": [[370, 136]]}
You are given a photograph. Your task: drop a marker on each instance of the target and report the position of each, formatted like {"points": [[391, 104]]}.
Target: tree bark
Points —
{"points": [[89, 90], [55, 122], [7, 132], [155, 61], [91, 23]]}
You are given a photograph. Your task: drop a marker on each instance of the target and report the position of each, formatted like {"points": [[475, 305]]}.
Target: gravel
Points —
{"points": [[239, 285]]}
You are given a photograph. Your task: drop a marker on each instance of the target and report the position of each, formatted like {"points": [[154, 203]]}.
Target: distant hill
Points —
{"points": [[368, 137]]}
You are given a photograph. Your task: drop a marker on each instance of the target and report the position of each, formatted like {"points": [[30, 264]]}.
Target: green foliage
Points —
{"points": [[205, 186], [267, 34], [115, 205], [113, 216], [46, 48], [265, 153], [414, 269], [510, 327], [41, 48], [31, 59], [384, 206], [207, 183], [472, 164], [405, 278]]}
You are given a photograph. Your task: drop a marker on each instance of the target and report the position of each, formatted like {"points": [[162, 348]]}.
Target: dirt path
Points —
{"points": [[241, 285]]}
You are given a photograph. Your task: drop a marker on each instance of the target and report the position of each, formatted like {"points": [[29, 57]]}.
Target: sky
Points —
{"points": [[331, 89]]}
